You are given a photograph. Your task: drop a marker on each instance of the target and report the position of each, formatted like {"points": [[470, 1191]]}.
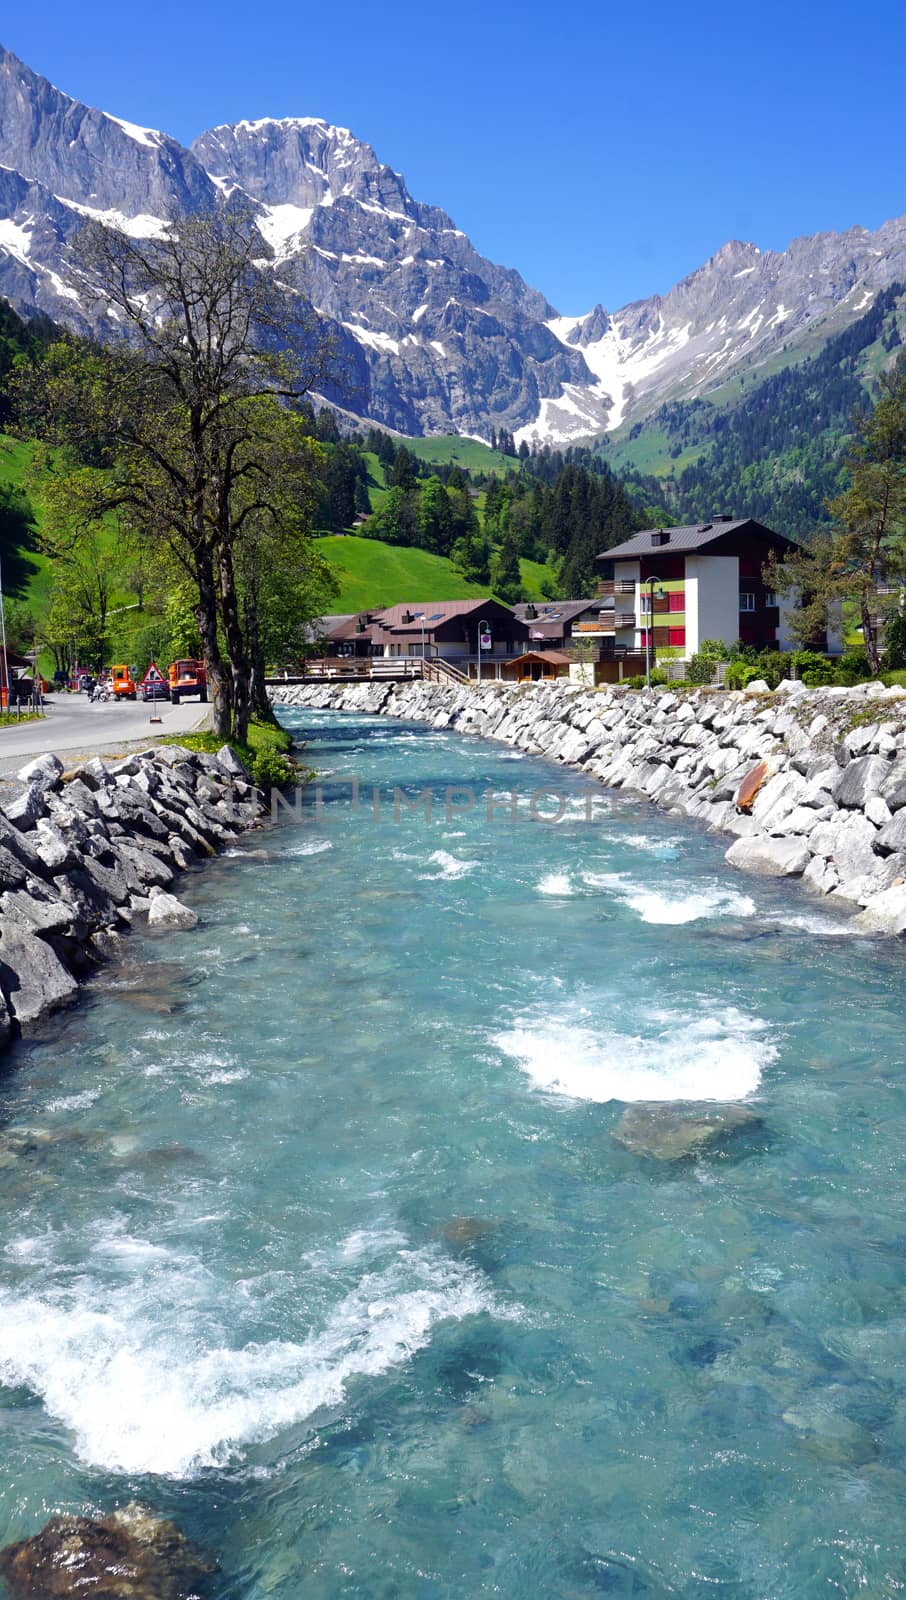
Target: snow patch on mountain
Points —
{"points": [[617, 362], [142, 226], [146, 136], [280, 225], [374, 338], [15, 237]]}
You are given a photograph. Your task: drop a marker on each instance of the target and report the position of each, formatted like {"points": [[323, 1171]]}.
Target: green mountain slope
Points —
{"points": [[769, 445], [372, 574]]}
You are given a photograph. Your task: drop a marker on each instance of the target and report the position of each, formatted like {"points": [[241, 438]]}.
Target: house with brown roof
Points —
{"points": [[672, 588], [556, 624], [439, 629]]}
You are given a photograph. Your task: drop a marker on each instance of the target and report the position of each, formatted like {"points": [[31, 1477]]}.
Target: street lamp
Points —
{"points": [[649, 631], [483, 627]]}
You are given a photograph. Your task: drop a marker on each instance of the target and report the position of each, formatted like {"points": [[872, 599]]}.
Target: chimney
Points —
{"points": [[661, 536]]}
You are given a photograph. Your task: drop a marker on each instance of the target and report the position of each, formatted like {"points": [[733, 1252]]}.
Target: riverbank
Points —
{"points": [[87, 852], [831, 806]]}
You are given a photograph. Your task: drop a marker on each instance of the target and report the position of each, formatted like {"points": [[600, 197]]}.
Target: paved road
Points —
{"points": [[73, 723]]}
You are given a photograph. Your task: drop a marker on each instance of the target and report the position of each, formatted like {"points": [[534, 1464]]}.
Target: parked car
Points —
{"points": [[155, 689], [154, 685]]}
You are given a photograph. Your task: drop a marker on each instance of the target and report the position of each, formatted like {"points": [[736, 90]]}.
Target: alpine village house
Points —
{"points": [[665, 588]]}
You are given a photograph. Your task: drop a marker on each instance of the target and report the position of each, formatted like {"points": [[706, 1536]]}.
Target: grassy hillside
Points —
{"points": [[26, 573], [470, 454], [372, 574]]}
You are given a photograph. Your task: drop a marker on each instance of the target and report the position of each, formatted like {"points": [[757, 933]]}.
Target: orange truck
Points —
{"points": [[122, 683], [187, 678]]}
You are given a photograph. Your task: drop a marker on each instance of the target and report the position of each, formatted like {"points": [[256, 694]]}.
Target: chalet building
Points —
{"points": [[442, 629], [675, 587], [556, 624]]}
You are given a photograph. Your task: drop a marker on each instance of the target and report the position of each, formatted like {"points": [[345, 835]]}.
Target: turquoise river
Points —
{"points": [[314, 1235]]}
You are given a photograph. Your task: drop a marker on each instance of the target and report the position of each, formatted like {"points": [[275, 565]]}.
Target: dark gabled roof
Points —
{"points": [[434, 612], [326, 625], [554, 610], [696, 537], [389, 624]]}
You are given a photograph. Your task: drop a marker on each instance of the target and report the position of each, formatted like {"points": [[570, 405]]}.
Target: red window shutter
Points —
{"points": [[678, 636], [677, 598]]}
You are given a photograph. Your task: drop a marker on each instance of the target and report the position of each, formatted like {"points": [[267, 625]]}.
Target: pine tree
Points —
{"points": [[404, 472], [506, 579]]}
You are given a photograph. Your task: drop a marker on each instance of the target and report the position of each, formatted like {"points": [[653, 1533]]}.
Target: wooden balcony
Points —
{"points": [[608, 622], [616, 586]]}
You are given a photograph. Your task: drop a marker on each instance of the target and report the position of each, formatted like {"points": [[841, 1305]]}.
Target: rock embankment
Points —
{"points": [[831, 804], [85, 853]]}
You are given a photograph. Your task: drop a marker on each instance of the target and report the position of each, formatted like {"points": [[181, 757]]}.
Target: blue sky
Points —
{"points": [[604, 150]]}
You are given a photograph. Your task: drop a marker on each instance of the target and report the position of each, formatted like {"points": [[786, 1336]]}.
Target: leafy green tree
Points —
{"points": [[435, 522], [471, 555], [895, 640], [867, 547], [183, 414]]}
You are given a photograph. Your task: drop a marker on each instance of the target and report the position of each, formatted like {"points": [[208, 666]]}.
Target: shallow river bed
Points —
{"points": [[314, 1234]]}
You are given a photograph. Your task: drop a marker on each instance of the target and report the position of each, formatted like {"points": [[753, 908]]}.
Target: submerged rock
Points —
{"points": [[464, 1231], [826, 1432], [129, 1555], [675, 1131]]}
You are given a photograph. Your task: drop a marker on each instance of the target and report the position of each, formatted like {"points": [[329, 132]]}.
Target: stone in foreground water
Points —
{"points": [[129, 1553], [677, 1130]]}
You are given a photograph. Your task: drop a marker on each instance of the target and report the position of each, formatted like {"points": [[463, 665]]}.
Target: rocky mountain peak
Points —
{"points": [[99, 161], [433, 337]]}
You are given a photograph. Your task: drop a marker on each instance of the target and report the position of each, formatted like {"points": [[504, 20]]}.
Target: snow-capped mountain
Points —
{"points": [[434, 337], [739, 308]]}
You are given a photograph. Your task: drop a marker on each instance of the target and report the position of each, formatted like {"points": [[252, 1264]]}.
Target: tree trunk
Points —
{"points": [[206, 617], [258, 700], [870, 635], [235, 644]]}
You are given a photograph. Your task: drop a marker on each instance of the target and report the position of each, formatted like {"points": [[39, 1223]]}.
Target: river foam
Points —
{"points": [[710, 1054], [673, 906], [139, 1396], [449, 867]]}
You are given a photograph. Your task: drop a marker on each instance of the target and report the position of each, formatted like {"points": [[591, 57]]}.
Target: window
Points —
{"points": [[747, 602], [677, 636], [770, 599], [677, 599]]}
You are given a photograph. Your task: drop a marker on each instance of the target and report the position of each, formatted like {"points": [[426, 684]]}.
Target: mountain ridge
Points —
{"points": [[432, 336]]}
